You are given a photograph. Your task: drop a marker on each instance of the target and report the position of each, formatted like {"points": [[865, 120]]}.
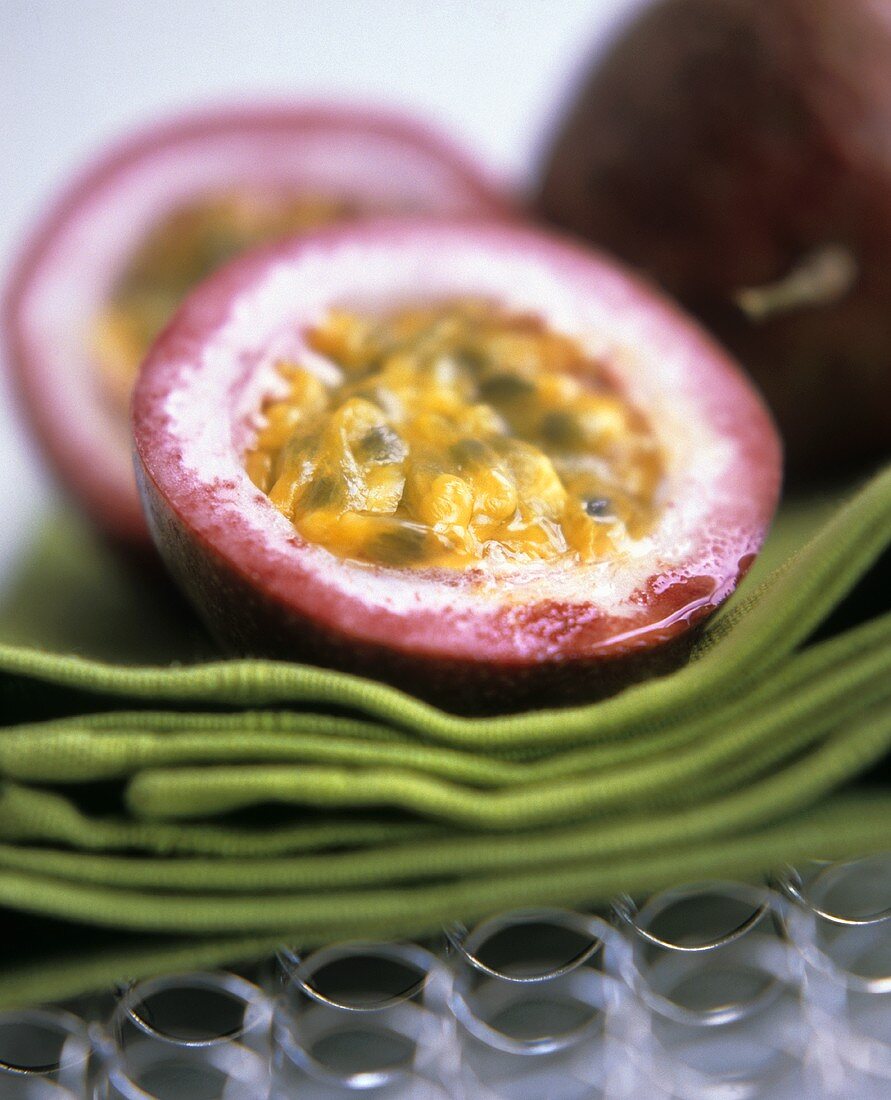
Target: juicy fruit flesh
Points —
{"points": [[182, 249], [456, 434]]}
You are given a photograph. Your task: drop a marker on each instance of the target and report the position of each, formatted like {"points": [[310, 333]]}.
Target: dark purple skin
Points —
{"points": [[718, 145]]}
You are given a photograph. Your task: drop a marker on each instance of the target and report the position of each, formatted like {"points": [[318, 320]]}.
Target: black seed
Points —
{"points": [[505, 446], [320, 493], [470, 360], [218, 247], [505, 387], [400, 545], [597, 506], [470, 452], [380, 446], [561, 429], [372, 394]]}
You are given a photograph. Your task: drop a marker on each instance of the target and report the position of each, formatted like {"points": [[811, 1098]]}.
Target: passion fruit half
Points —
{"points": [[111, 260], [739, 153], [469, 459]]}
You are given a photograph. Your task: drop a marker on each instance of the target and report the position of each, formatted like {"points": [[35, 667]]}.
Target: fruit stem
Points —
{"points": [[820, 277]]}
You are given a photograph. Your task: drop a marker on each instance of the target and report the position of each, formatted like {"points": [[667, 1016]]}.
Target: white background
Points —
{"points": [[76, 73]]}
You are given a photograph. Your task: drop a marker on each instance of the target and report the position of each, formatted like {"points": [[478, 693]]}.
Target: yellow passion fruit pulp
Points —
{"points": [[178, 252], [455, 434]]}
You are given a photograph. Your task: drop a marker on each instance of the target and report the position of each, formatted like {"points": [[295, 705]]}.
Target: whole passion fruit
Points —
{"points": [[469, 459], [112, 259], [739, 152]]}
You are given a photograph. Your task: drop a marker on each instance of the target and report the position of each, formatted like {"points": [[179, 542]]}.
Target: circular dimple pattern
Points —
{"points": [[560, 998]]}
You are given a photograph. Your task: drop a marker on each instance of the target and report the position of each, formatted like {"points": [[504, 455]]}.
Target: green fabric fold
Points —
{"points": [[117, 744], [192, 811], [413, 910], [36, 815], [760, 739]]}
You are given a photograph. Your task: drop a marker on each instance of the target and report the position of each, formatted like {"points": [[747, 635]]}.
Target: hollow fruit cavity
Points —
{"points": [[454, 434], [182, 249]]}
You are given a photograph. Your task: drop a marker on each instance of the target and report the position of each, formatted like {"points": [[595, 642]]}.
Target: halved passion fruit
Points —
{"points": [[468, 459], [111, 262]]}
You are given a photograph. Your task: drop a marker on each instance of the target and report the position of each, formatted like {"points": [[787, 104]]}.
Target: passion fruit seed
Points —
{"points": [[596, 506], [182, 249], [380, 446], [457, 433]]}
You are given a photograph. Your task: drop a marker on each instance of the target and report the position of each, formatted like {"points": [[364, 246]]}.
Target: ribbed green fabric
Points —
{"points": [[416, 909], [836, 828], [29, 815], [208, 791], [393, 816], [117, 744], [406, 858]]}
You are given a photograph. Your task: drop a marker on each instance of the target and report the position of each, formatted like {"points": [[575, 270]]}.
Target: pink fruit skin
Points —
{"points": [[262, 597]]}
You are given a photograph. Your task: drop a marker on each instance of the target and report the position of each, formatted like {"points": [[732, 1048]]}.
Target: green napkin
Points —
{"points": [[60, 965], [191, 811]]}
